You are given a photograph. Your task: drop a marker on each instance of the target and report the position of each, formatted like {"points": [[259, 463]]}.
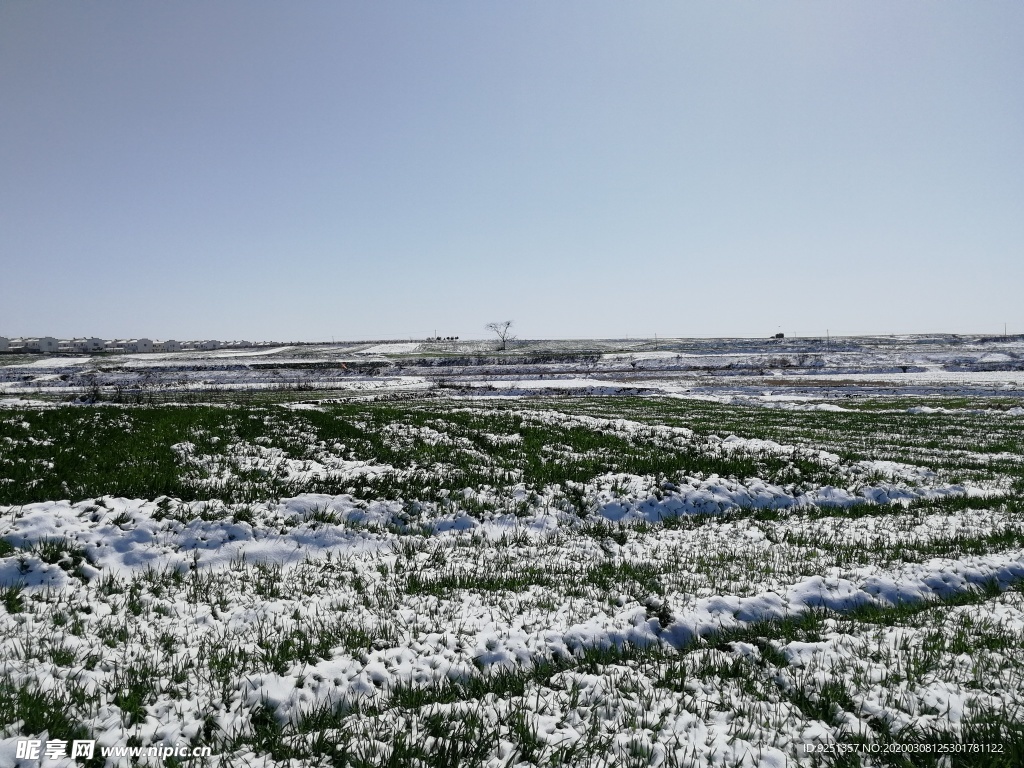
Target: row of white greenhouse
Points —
{"points": [[48, 344]]}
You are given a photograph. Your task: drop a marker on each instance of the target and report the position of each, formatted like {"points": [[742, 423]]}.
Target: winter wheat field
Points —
{"points": [[616, 553]]}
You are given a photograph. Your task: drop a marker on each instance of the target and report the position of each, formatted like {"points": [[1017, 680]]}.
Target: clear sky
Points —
{"points": [[587, 169]]}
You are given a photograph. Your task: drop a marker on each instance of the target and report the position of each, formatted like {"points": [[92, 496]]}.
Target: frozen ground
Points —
{"points": [[748, 370], [430, 555]]}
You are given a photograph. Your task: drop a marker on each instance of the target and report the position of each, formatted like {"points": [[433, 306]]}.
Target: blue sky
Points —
{"points": [[587, 169]]}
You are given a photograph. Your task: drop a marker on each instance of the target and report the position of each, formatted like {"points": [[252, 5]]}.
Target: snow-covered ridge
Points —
{"points": [[362, 561], [126, 536]]}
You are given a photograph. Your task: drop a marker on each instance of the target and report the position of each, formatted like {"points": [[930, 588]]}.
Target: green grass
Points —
{"points": [[81, 453], [706, 658], [88, 452], [129, 636], [880, 430], [45, 711]]}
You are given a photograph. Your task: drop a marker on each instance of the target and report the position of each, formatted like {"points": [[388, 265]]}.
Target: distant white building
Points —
{"points": [[91, 344], [42, 344], [81, 346], [136, 346], [129, 346]]}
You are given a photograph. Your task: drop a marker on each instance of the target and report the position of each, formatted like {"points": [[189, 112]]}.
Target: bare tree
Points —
{"points": [[503, 329]]}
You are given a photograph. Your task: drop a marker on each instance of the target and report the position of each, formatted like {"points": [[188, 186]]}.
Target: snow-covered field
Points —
{"points": [[753, 371], [646, 557]]}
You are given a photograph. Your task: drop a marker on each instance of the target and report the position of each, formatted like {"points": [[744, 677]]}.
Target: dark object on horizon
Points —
{"points": [[779, 336], [504, 332]]}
